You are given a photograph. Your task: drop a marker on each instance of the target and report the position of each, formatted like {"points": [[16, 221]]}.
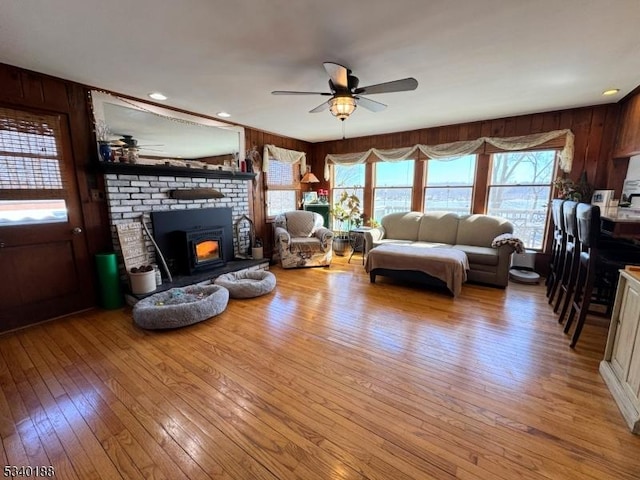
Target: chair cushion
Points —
{"points": [[480, 255], [300, 223], [304, 242]]}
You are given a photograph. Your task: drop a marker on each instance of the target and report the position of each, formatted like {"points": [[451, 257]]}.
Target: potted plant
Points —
{"points": [[579, 191], [256, 250], [347, 213]]}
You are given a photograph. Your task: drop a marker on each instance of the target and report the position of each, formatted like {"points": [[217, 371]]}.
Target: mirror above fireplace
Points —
{"points": [[165, 134]]}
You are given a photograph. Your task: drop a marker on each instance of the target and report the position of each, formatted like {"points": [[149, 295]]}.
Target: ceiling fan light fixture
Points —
{"points": [[158, 96], [342, 106]]}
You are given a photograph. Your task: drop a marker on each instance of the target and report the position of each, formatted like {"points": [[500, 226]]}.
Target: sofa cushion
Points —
{"points": [[384, 241], [480, 230], [438, 227], [480, 255], [432, 245], [402, 225]]}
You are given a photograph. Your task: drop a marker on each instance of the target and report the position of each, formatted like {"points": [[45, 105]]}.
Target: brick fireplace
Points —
{"points": [[130, 195]]}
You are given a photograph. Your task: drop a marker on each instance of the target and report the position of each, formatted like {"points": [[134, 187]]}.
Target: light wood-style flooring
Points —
{"points": [[328, 377]]}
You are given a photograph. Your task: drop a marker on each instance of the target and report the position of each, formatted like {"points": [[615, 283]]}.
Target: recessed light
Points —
{"points": [[611, 91], [223, 114], [157, 96]]}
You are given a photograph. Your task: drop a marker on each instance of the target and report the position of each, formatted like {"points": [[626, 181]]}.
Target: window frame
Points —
{"points": [[295, 186], [375, 188], [358, 190], [554, 172], [472, 186]]}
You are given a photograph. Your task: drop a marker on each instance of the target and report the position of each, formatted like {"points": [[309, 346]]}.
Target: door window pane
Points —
{"points": [[520, 191], [28, 212], [393, 187]]}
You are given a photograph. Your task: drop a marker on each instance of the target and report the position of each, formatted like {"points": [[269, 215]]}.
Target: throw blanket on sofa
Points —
{"points": [[508, 239]]}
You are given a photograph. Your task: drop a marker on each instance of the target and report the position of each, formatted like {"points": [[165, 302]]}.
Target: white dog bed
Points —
{"points": [[180, 307], [247, 283]]}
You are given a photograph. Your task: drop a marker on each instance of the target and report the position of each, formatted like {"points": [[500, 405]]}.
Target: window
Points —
{"points": [[393, 187], [348, 179], [520, 189], [283, 187], [31, 176], [450, 184]]}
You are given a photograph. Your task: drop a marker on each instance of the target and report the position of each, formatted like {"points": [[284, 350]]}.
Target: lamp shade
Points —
{"points": [[342, 106], [309, 178]]}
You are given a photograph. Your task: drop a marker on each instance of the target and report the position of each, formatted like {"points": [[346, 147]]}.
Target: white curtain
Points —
{"points": [[283, 155], [458, 149]]}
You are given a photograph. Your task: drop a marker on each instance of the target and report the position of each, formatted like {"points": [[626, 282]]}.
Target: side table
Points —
{"points": [[356, 240]]}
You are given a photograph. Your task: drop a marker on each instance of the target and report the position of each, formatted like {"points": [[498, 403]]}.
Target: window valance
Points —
{"points": [[283, 155], [457, 149]]}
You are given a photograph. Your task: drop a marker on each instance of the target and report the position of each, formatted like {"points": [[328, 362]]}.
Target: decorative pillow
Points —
{"points": [[508, 239]]}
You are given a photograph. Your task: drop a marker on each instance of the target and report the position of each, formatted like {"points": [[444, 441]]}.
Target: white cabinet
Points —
{"points": [[621, 365]]}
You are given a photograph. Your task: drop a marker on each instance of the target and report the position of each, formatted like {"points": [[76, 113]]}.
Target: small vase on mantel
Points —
{"points": [[105, 152]]}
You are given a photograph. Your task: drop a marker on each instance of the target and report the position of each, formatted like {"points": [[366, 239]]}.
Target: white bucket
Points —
{"points": [[142, 282], [257, 253]]}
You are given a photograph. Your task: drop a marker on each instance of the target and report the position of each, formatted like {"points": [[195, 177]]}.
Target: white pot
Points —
{"points": [[257, 253], [142, 282]]}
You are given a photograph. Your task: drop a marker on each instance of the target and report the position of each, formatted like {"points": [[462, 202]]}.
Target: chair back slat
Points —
{"points": [[569, 218], [556, 213], [588, 220]]}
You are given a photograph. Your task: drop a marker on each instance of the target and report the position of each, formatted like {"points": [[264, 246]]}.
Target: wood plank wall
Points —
{"points": [[628, 134], [259, 138], [594, 128], [27, 90]]}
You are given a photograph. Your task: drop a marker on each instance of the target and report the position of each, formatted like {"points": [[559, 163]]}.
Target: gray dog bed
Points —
{"points": [[180, 307], [247, 283]]}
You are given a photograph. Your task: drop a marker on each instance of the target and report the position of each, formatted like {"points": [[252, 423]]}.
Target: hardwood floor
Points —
{"points": [[328, 377]]}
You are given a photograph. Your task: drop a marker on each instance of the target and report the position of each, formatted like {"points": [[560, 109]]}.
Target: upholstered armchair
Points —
{"points": [[302, 240]]}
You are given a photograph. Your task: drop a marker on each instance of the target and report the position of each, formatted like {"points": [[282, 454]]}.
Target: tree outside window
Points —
{"points": [[520, 190], [347, 180]]}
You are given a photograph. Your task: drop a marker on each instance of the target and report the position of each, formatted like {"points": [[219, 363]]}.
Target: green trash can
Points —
{"points": [[109, 280]]}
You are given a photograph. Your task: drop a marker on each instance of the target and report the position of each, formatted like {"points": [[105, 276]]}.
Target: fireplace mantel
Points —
{"points": [[168, 170]]}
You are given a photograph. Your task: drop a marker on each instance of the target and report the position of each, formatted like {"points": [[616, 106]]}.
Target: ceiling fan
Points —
{"points": [[346, 95], [128, 142]]}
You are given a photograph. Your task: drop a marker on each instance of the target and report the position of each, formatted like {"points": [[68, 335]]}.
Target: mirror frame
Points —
{"points": [[99, 97]]}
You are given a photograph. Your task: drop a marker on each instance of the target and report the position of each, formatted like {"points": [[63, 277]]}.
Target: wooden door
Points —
{"points": [[45, 270]]}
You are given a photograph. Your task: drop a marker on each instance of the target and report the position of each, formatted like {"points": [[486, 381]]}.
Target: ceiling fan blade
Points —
{"points": [[288, 92], [321, 108], [395, 86], [371, 105], [338, 74]]}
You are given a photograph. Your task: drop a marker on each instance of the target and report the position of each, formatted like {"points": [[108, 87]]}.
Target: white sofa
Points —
{"points": [[473, 234]]}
